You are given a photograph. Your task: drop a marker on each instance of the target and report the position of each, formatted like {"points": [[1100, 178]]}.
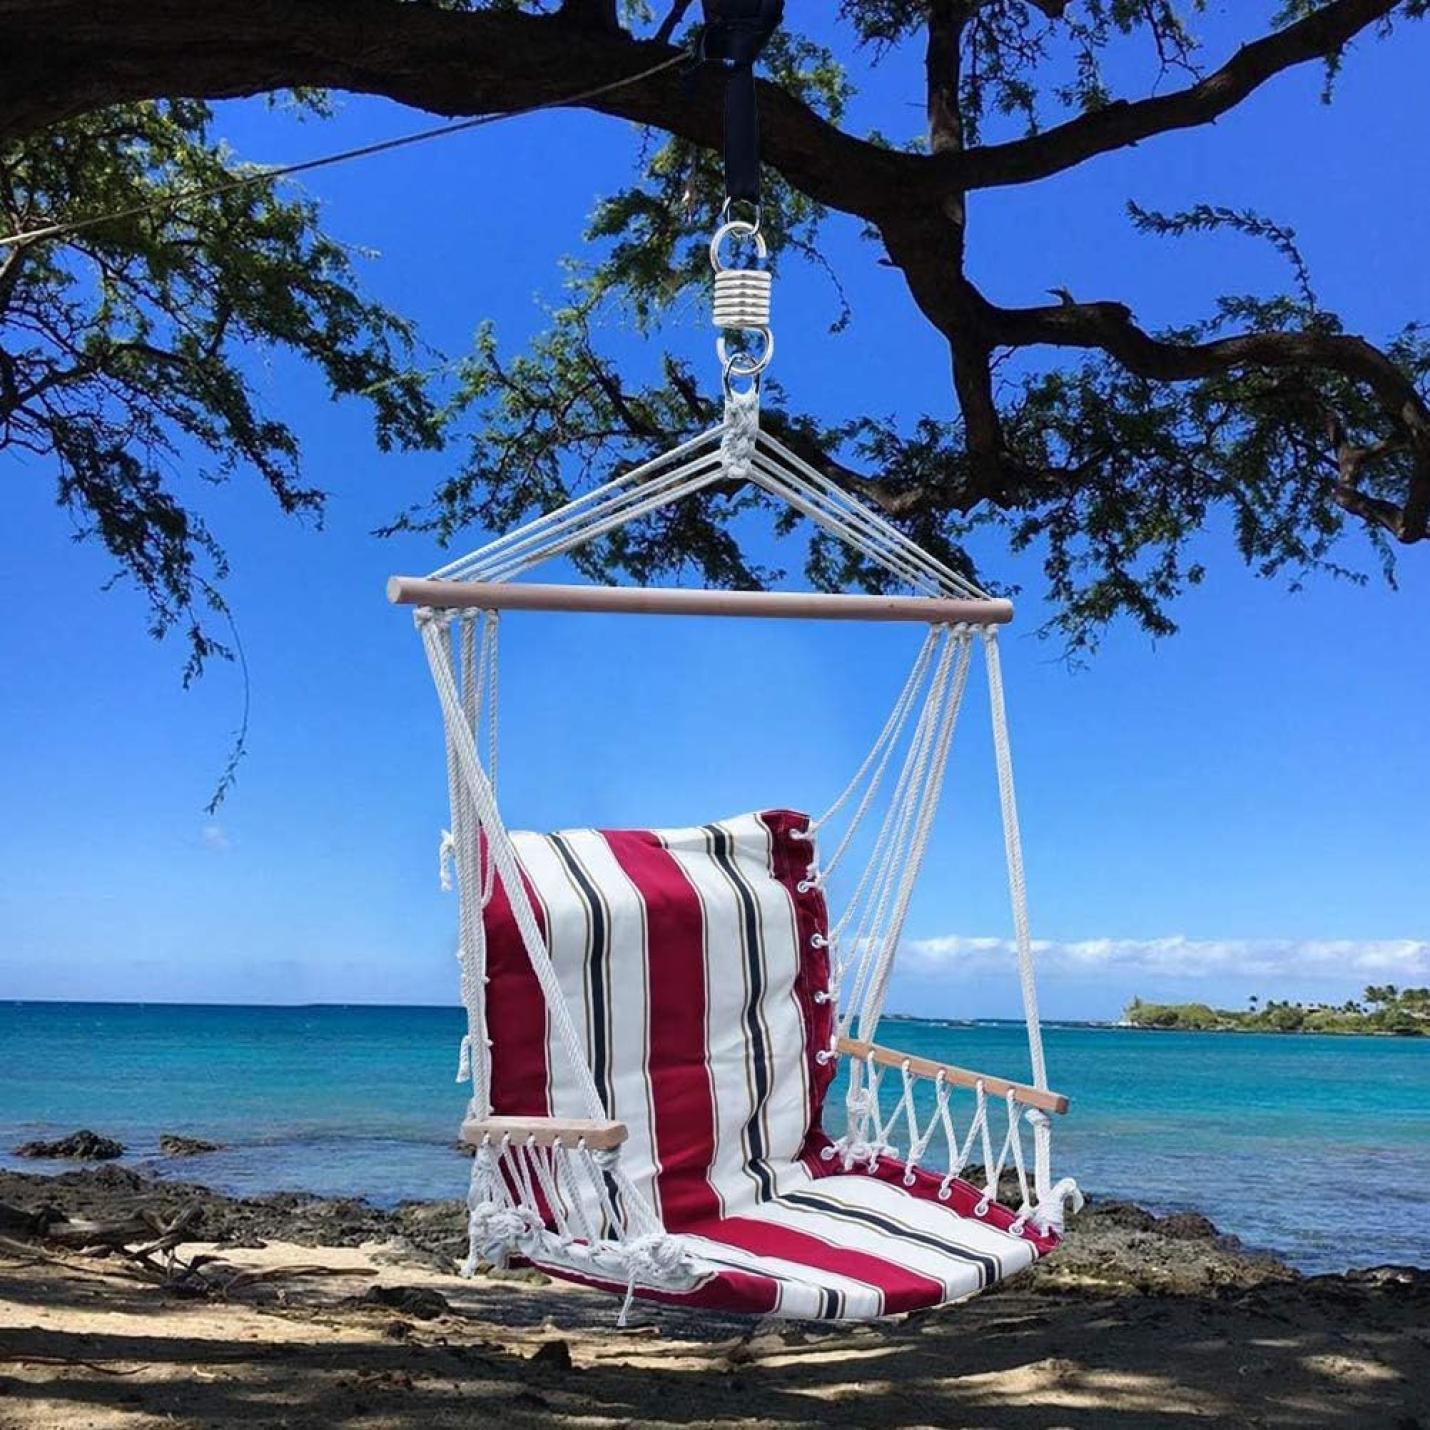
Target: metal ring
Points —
{"points": [[737, 228], [735, 365], [730, 203]]}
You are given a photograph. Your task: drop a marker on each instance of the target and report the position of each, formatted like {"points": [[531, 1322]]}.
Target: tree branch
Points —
{"points": [[1110, 328], [943, 59], [60, 58], [676, 15], [1122, 124]]}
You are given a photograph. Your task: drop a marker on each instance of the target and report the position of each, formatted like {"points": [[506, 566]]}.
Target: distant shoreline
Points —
{"points": [[1384, 1012]]}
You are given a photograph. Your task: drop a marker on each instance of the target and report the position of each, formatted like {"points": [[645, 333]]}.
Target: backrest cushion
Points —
{"points": [[690, 960]]}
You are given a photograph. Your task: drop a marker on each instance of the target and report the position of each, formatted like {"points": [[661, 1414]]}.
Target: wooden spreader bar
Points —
{"points": [[546, 1132], [674, 601], [960, 1077]]}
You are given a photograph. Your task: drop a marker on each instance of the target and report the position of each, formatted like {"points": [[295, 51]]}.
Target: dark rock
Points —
{"points": [[1187, 1226], [420, 1302], [555, 1354], [1125, 1215], [171, 1144], [81, 1146], [113, 1179], [1414, 1280]]}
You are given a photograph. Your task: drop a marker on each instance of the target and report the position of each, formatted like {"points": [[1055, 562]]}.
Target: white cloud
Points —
{"points": [[215, 836], [1387, 960]]}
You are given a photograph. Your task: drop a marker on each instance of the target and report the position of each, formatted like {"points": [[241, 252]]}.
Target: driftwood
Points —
{"points": [[144, 1245]]}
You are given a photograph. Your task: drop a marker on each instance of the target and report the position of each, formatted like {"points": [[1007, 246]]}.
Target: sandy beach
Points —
{"points": [[1138, 1321]]}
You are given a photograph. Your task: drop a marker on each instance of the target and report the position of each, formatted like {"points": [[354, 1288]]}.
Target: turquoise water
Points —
{"points": [[1316, 1147]]}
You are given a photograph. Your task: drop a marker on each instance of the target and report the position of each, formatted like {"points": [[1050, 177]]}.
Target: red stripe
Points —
{"points": [[904, 1290], [516, 1011], [684, 1099], [791, 856], [746, 1292]]}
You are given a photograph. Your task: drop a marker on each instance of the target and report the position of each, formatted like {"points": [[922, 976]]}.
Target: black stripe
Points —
{"points": [[598, 959], [722, 844], [989, 1268], [598, 992]]}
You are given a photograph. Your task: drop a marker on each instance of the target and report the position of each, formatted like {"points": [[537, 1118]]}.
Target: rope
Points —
{"points": [[267, 173], [891, 844], [500, 849], [737, 450], [888, 737], [876, 527], [1018, 895], [1013, 849], [926, 807], [474, 1057]]}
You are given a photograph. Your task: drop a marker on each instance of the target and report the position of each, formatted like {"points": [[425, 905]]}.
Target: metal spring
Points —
{"points": [[742, 298]]}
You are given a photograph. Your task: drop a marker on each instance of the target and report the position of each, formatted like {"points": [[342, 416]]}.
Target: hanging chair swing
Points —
{"points": [[655, 1017]]}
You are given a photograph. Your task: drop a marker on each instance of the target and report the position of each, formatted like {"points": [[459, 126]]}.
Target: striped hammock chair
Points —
{"points": [[656, 1017]]}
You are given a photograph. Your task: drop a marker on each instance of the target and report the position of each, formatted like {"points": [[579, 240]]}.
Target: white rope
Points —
{"points": [[893, 846], [491, 630], [887, 740], [864, 891], [737, 450], [845, 523], [623, 508], [473, 1061], [1013, 848], [514, 547], [871, 1131], [1018, 895], [926, 808], [870, 521], [500, 850]]}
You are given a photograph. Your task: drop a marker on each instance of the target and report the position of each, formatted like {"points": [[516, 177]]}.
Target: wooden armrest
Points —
{"points": [[546, 1132], [960, 1077]]}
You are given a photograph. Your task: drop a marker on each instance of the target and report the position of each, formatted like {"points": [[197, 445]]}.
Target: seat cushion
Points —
{"points": [[849, 1246], [693, 962]]}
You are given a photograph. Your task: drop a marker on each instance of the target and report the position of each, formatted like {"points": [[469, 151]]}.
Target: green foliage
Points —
{"points": [[128, 350], [1108, 478], [1404, 1014]]}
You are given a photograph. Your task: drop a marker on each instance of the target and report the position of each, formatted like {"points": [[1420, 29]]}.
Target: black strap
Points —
{"points": [[736, 31]]}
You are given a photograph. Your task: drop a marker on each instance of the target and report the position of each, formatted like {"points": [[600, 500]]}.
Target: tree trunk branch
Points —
{"points": [[59, 58], [1122, 124], [1110, 328]]}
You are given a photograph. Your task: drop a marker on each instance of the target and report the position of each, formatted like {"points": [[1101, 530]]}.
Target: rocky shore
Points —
{"points": [[342, 1311], [1111, 1244]]}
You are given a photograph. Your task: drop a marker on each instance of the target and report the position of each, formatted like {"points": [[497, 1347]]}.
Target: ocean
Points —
{"points": [[1315, 1147]]}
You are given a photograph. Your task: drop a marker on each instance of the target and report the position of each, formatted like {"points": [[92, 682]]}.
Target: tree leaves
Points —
{"points": [[128, 348]]}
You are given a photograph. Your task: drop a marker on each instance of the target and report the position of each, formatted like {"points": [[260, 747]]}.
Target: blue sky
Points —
{"points": [[1238, 810]]}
